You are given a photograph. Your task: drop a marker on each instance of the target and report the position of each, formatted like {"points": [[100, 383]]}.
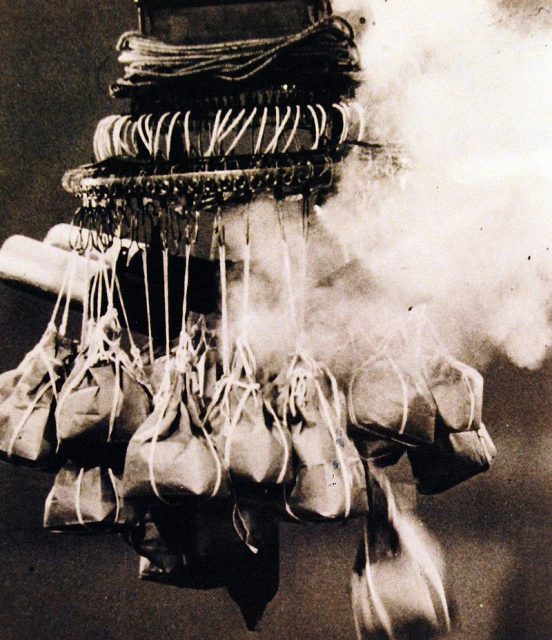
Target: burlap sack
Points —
{"points": [[387, 401], [168, 457], [329, 476], [454, 458], [27, 394], [88, 500], [255, 445], [457, 390]]}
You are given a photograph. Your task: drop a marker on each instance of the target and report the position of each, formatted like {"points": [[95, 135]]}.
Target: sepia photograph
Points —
{"points": [[276, 313]]}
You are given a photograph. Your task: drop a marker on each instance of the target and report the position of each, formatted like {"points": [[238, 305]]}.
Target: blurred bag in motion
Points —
{"points": [[397, 586]]}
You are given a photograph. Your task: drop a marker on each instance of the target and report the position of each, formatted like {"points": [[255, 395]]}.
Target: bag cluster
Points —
{"points": [[139, 441]]}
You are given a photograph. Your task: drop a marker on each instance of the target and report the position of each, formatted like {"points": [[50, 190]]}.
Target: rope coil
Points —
{"points": [[328, 44]]}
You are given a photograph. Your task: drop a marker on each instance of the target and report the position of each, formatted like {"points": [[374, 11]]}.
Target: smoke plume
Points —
{"points": [[464, 230]]}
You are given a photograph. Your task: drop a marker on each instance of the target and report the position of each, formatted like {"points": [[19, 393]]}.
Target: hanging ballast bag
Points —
{"points": [[106, 397], [454, 458], [169, 457], [255, 445], [28, 393], [103, 398], [88, 500], [457, 390], [329, 479], [397, 588], [390, 402]]}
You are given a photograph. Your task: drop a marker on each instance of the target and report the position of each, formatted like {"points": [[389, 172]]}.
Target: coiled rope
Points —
{"points": [[328, 44]]}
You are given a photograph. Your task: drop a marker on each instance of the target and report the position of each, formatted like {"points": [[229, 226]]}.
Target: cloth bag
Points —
{"points": [[105, 398], [389, 402], [88, 499], [27, 394], [170, 457], [457, 390], [454, 458], [255, 445], [397, 587], [329, 476]]}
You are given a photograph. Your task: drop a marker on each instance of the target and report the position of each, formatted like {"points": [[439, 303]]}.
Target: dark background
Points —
{"points": [[57, 60]]}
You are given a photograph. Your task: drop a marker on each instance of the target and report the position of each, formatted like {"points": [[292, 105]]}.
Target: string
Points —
{"points": [[214, 133], [157, 139], [287, 267], [166, 298], [323, 119], [115, 494], [316, 127], [224, 298], [345, 125], [187, 254], [246, 276], [78, 486], [86, 301], [221, 128], [294, 128], [261, 131], [232, 126], [239, 135], [148, 304], [61, 293], [65, 316], [304, 265], [170, 132], [187, 132]]}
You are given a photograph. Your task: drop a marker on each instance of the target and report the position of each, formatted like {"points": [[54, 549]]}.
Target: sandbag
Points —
{"points": [[389, 402], [397, 588], [329, 476], [255, 445], [457, 390], [454, 458], [27, 395], [88, 500], [169, 457], [105, 397]]}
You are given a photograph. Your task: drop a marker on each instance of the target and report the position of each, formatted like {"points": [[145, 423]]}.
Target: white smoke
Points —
{"points": [[465, 90]]}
